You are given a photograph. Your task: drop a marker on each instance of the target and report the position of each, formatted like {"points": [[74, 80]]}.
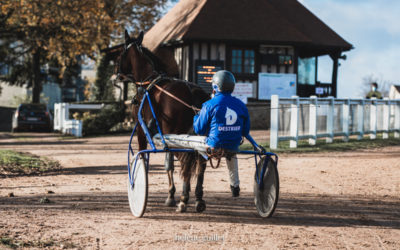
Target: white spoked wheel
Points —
{"points": [[266, 196], [137, 193]]}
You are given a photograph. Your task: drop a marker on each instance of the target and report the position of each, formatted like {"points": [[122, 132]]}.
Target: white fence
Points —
{"points": [[63, 123], [312, 118]]}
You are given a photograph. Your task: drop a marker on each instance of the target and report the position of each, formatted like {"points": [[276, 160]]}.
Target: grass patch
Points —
{"points": [[24, 138], [15, 163], [338, 145]]}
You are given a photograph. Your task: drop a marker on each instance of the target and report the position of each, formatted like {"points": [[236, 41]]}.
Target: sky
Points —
{"points": [[373, 28]]}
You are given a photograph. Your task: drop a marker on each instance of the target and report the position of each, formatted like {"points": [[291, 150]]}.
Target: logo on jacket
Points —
{"points": [[231, 116]]}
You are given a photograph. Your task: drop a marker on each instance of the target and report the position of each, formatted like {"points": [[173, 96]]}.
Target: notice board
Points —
{"points": [[269, 84], [243, 91], [206, 69]]}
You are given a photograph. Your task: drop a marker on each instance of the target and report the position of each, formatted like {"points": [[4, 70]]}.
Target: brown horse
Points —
{"points": [[141, 67]]}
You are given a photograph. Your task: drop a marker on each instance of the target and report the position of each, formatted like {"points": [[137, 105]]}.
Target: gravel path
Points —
{"points": [[332, 200]]}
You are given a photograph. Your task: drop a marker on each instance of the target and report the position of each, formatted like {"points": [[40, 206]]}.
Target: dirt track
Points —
{"points": [[346, 200]]}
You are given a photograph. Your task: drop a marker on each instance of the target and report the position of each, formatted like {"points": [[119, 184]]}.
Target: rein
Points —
{"points": [[154, 83], [177, 99], [217, 154]]}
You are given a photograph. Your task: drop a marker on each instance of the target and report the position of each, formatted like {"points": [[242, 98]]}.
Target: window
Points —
{"points": [[243, 61], [306, 71]]}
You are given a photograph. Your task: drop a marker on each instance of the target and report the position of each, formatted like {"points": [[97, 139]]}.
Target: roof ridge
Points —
{"points": [[204, 2], [176, 13]]}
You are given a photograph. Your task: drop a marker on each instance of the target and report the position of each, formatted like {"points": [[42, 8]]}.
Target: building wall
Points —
{"points": [[10, 95], [280, 50], [394, 92], [259, 112], [209, 51], [51, 94], [220, 52], [260, 115]]}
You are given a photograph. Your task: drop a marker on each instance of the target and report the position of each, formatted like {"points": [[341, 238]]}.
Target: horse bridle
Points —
{"points": [[130, 77], [149, 81]]}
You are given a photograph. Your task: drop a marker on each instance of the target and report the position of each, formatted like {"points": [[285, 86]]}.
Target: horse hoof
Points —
{"points": [[170, 202], [200, 206], [181, 207]]}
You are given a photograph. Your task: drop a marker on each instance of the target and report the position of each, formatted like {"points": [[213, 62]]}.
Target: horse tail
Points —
{"points": [[190, 165]]}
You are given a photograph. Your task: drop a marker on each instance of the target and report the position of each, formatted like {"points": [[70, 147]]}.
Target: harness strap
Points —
{"points": [[123, 77], [176, 98], [153, 83], [218, 162], [142, 83], [213, 153], [218, 153]]}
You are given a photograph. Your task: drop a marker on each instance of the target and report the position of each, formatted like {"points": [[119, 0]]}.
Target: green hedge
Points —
{"points": [[101, 122]]}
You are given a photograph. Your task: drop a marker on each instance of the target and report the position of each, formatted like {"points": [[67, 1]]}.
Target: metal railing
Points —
{"points": [[311, 118]]}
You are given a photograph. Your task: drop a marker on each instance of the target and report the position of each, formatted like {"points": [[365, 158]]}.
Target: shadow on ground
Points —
{"points": [[292, 209]]}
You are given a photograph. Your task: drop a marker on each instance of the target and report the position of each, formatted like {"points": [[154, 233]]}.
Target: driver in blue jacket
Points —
{"points": [[224, 120]]}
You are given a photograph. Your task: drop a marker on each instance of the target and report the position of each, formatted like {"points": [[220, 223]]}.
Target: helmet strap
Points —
{"points": [[213, 93]]}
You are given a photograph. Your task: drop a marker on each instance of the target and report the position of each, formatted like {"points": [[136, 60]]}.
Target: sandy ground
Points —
{"points": [[345, 200]]}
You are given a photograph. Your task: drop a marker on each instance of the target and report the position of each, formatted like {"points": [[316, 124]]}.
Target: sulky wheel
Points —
{"points": [[137, 193], [266, 194]]}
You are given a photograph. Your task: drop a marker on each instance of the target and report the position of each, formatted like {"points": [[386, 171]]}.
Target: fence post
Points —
{"points": [[294, 119], [329, 120], [360, 120], [274, 130], [386, 118], [79, 128], [372, 119], [345, 119], [64, 116], [397, 119], [56, 118], [312, 125]]}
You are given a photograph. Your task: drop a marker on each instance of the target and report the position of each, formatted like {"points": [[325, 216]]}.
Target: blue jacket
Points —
{"points": [[224, 120]]}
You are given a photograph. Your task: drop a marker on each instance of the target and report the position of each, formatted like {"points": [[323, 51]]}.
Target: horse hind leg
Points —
{"points": [[188, 165], [169, 167], [200, 204], [182, 206]]}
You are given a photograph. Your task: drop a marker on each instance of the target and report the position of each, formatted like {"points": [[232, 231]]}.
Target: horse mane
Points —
{"points": [[158, 65], [198, 94]]}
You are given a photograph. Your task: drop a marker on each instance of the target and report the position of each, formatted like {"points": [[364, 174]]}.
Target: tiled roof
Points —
{"points": [[253, 21]]}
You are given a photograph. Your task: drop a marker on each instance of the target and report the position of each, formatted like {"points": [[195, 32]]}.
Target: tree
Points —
{"points": [[36, 31], [134, 15], [104, 88]]}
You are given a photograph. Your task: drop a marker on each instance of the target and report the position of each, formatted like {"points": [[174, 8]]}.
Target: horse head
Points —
{"points": [[133, 62]]}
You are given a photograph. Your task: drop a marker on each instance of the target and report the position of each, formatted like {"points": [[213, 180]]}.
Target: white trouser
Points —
{"points": [[233, 171], [198, 143]]}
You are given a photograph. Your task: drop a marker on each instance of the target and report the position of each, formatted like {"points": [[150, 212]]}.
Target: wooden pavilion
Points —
{"points": [[248, 38]]}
